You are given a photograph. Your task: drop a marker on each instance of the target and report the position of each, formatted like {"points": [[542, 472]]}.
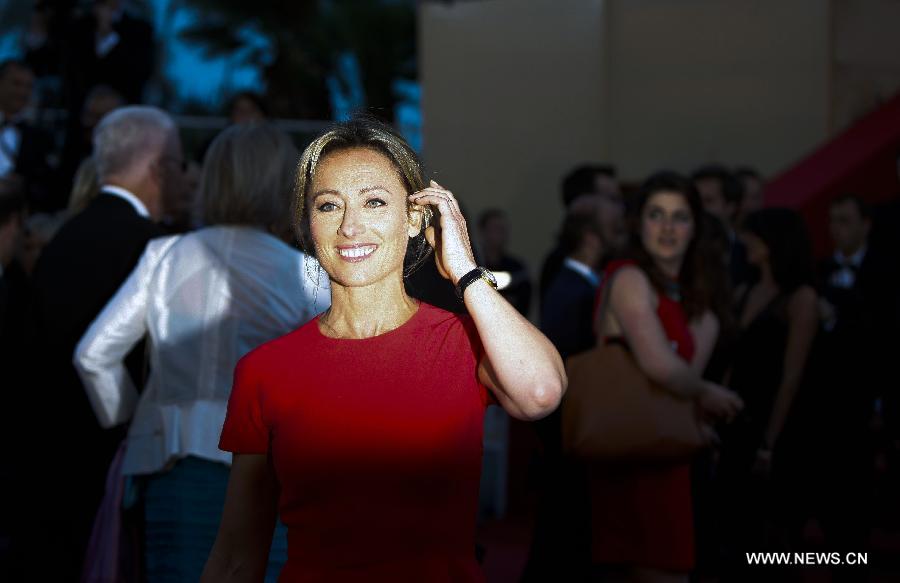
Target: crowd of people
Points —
{"points": [[179, 334], [721, 301]]}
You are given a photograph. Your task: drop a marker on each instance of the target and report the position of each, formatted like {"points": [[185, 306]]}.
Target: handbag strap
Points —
{"points": [[605, 288]]}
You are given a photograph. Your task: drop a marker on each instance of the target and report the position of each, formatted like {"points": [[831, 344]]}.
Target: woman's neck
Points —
{"points": [[670, 268], [364, 312]]}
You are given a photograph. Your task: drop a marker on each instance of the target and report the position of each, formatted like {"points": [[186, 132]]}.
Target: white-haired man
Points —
{"points": [[138, 155]]}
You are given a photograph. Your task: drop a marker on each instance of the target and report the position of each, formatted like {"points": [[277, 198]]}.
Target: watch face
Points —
{"points": [[489, 277]]}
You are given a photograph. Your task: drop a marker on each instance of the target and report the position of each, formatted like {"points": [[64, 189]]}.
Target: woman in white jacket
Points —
{"points": [[204, 299]]}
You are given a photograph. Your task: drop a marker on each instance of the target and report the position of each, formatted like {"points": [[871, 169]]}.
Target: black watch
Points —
{"points": [[473, 276]]}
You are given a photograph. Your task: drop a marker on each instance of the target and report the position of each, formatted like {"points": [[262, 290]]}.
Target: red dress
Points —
{"points": [[377, 446], [643, 515]]}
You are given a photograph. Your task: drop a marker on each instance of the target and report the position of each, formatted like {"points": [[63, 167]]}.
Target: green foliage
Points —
{"points": [[306, 37]]}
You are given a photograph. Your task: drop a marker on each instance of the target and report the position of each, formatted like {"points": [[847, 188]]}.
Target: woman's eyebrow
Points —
{"points": [[366, 190], [323, 192], [369, 189]]}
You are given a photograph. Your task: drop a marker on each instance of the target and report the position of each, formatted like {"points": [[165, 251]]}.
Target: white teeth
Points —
{"points": [[357, 251]]}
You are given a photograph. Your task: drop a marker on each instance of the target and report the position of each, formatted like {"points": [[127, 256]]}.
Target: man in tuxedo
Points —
{"points": [[847, 371], [138, 156], [24, 148]]}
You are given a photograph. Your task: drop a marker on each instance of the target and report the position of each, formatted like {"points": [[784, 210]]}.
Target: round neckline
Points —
{"points": [[419, 309]]}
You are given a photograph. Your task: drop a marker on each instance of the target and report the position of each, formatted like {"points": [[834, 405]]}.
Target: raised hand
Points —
{"points": [[449, 237]]}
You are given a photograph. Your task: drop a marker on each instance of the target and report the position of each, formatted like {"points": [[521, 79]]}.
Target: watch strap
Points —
{"points": [[470, 278]]}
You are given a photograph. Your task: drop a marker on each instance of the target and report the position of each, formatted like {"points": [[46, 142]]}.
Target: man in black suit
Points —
{"points": [[24, 148], [109, 47], [581, 183], [139, 158], [561, 545]]}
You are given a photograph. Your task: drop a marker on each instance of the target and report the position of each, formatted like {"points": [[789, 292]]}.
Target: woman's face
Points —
{"points": [[358, 217], [667, 226], [757, 250]]}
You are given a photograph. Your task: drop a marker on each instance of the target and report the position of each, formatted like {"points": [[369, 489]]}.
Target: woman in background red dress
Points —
{"points": [[662, 304], [363, 428]]}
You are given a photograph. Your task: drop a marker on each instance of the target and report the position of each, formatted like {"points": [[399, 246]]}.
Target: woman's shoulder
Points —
{"points": [[287, 347], [431, 316], [626, 274]]}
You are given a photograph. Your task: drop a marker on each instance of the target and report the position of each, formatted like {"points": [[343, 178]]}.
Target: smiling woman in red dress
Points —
{"points": [[362, 429]]}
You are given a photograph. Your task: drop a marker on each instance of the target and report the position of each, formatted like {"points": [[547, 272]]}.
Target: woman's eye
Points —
{"points": [[375, 203], [682, 218], [326, 207], [654, 215]]}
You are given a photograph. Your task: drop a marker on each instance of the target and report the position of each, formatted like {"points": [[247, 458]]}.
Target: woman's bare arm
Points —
{"points": [[241, 551], [803, 322], [705, 331], [632, 305]]}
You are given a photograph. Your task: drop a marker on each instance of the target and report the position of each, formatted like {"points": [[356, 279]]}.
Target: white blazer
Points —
{"points": [[205, 299]]}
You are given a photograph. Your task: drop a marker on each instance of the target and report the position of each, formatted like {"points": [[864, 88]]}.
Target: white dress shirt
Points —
{"points": [[205, 299], [129, 197], [584, 270]]}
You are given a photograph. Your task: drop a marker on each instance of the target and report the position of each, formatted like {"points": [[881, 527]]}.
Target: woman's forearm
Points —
{"points": [[527, 369], [784, 399]]}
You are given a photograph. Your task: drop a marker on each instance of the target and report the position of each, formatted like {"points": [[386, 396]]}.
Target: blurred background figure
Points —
{"points": [[753, 197], [79, 144], [848, 375], [722, 194], [247, 107], [39, 230], [759, 473], [24, 148], [662, 305], [85, 187], [109, 46], [560, 545], [585, 181], [238, 267], [493, 226], [13, 304], [138, 155]]}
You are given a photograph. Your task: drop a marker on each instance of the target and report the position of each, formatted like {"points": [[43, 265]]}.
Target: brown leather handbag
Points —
{"points": [[612, 412]]}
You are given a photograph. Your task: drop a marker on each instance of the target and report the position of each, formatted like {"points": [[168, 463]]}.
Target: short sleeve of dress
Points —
{"points": [[487, 397], [244, 430]]}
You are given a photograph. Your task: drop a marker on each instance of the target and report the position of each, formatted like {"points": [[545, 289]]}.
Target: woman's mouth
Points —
{"points": [[356, 253]]}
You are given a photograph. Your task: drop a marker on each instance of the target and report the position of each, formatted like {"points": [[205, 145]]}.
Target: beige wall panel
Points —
{"points": [[734, 81], [866, 57], [512, 98]]}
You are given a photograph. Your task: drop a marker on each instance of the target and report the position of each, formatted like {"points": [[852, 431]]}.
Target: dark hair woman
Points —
{"points": [[363, 428], [662, 305], [778, 321]]}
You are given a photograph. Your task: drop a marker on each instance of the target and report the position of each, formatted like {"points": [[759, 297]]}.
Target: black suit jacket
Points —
{"points": [[125, 68], [567, 312], [77, 273]]}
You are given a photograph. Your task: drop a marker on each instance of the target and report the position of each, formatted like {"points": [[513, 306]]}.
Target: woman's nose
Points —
{"points": [[351, 225]]}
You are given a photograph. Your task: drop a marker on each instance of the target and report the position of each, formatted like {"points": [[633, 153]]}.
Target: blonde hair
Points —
{"points": [[247, 178], [85, 186], [368, 133]]}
